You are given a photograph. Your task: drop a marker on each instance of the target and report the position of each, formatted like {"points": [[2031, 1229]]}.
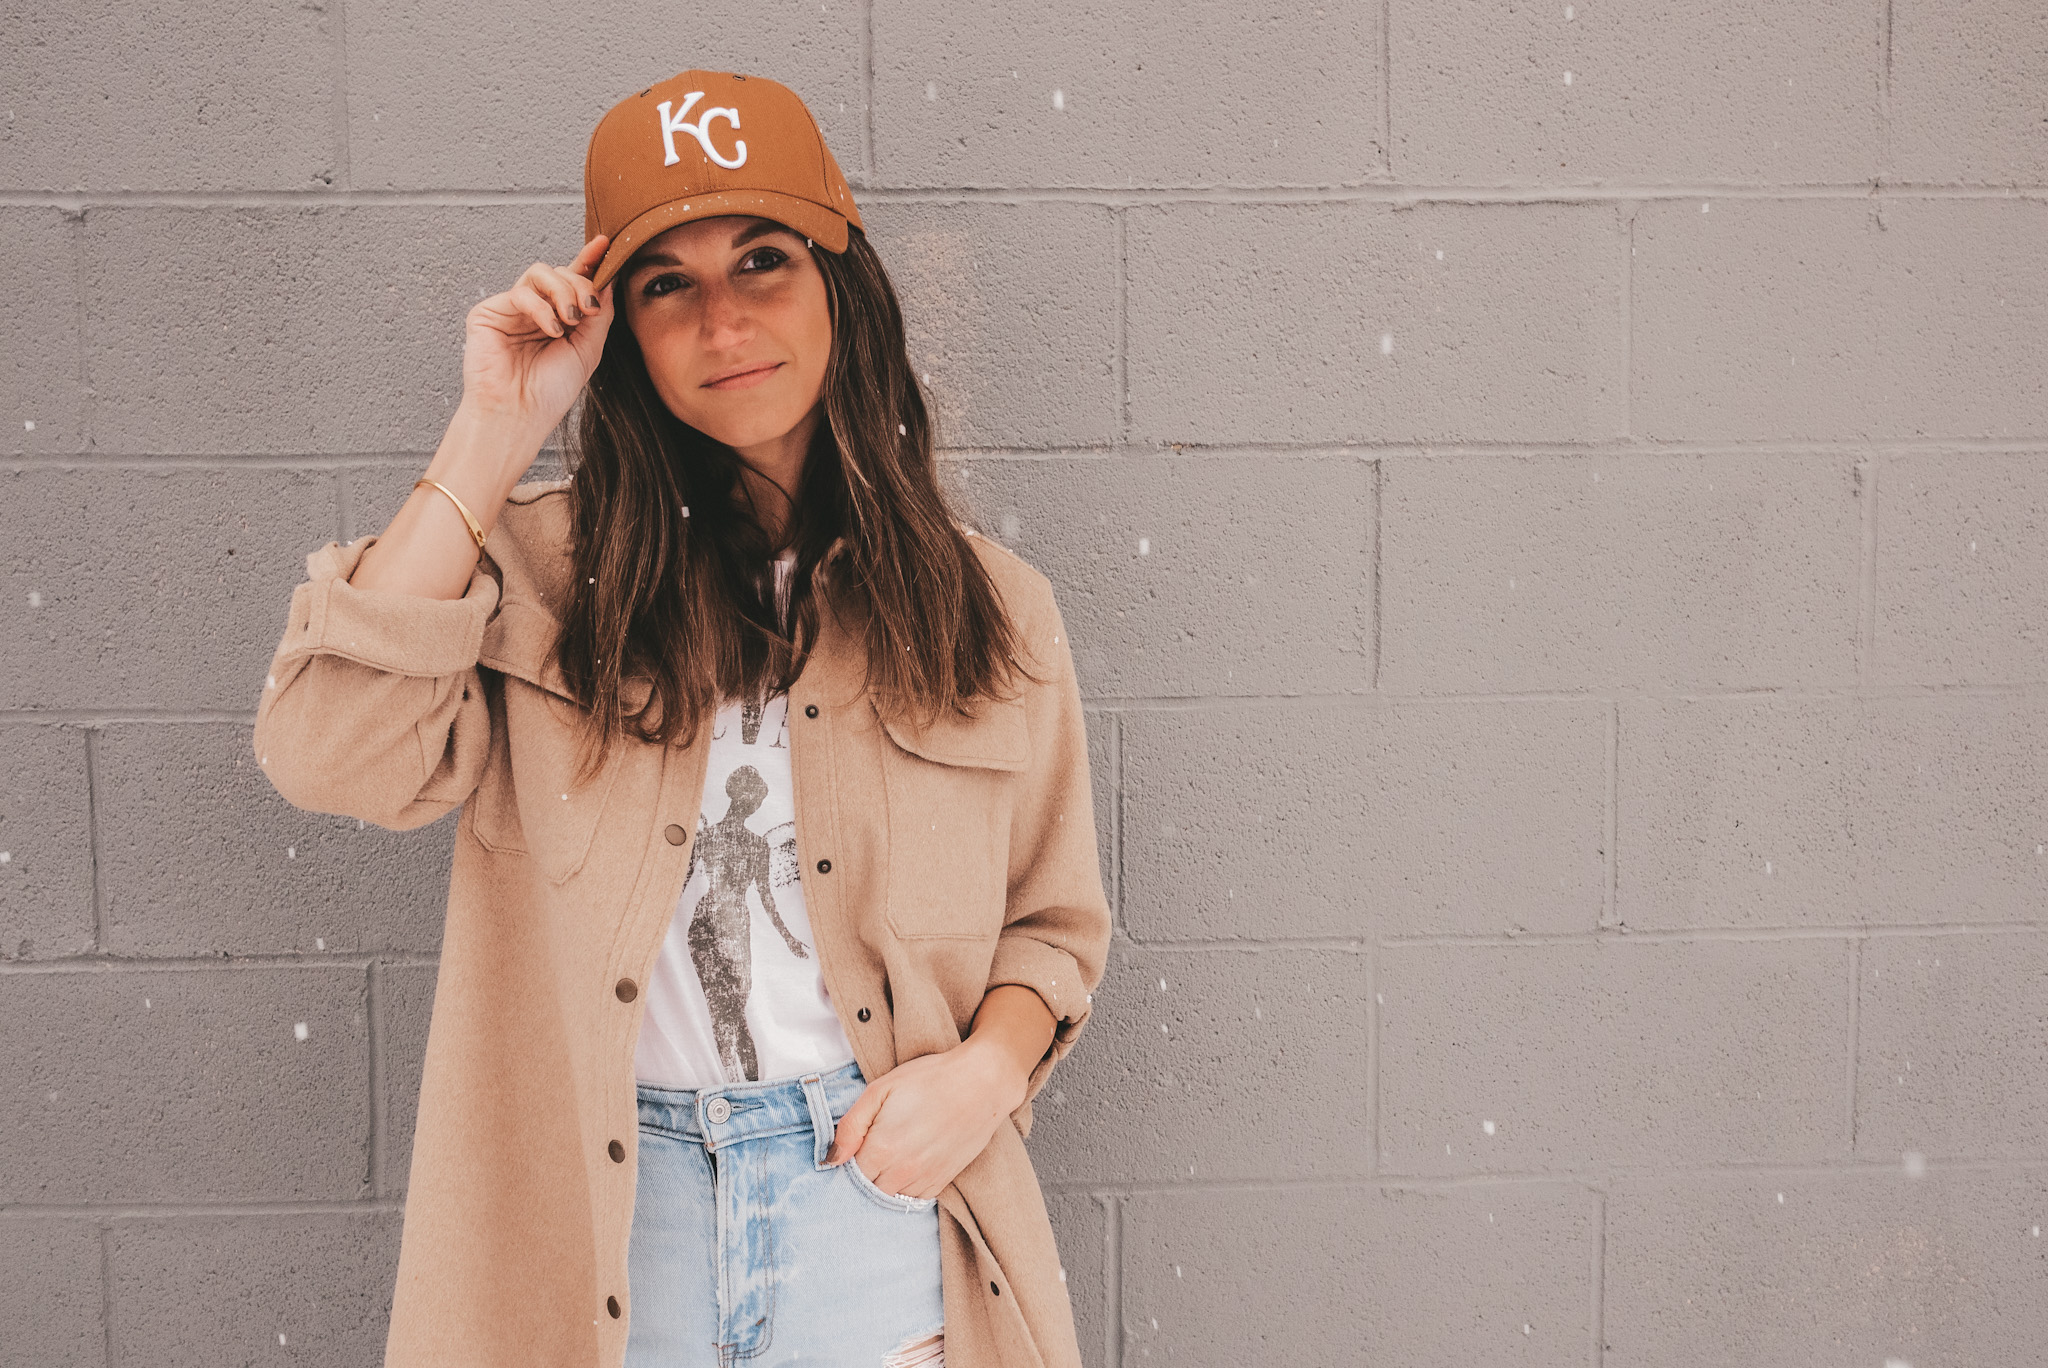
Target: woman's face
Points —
{"points": [[732, 317]]}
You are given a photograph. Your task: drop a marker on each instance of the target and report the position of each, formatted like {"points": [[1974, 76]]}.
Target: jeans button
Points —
{"points": [[717, 1109]]}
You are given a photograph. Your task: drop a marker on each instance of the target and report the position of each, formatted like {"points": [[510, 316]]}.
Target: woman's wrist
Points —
{"points": [[1011, 1032], [486, 450]]}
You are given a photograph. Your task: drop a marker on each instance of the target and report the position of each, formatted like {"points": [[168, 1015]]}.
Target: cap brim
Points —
{"points": [[813, 220]]}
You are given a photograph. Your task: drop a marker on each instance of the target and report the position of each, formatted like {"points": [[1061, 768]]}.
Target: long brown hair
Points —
{"points": [[671, 581]]}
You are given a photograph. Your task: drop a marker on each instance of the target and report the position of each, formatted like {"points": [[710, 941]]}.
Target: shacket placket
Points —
{"points": [[665, 869]]}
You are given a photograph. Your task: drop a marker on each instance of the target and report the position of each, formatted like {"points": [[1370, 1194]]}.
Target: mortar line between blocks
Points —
{"points": [[372, 998], [1372, 1060], [342, 172], [1600, 1196], [88, 415], [1628, 331], [1866, 577], [1386, 36], [1855, 996], [867, 81], [1610, 895], [1884, 94], [1379, 537], [93, 841], [1123, 326], [106, 1230], [1116, 823], [1113, 1275]]}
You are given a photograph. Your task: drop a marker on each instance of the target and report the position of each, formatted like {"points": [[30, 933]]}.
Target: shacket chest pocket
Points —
{"points": [[527, 800], [948, 788]]}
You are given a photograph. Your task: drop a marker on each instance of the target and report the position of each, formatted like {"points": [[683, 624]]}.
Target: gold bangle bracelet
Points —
{"points": [[475, 530]]}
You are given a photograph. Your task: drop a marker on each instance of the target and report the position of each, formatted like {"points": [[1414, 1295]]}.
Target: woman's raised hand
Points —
{"points": [[529, 351], [527, 354]]}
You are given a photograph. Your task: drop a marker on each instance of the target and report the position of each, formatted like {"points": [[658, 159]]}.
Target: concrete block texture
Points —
{"points": [[1508, 572], [310, 1287], [1140, 94], [292, 329], [184, 1085], [131, 587], [1577, 1056], [1952, 1046], [1351, 1273], [1080, 1225], [1961, 589], [51, 1293], [1831, 811], [983, 283], [1188, 575], [42, 371], [404, 996], [1749, 92], [1205, 1069], [46, 859], [1731, 1270], [1550, 503], [109, 96], [1757, 319], [1965, 81], [199, 855], [1355, 321], [1288, 819], [446, 94]]}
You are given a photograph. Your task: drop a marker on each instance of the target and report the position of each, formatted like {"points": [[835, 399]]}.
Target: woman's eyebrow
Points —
{"points": [[760, 228]]}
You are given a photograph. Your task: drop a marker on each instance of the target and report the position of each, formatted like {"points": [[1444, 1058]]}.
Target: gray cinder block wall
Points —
{"points": [[1552, 506]]}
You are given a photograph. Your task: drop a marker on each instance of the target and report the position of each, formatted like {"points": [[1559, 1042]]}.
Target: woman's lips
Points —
{"points": [[745, 379]]}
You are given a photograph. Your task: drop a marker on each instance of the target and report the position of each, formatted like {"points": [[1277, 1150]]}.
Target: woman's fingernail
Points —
{"points": [[594, 304], [832, 1154]]}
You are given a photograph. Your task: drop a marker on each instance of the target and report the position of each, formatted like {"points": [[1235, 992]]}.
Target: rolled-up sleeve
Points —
{"points": [[1056, 924], [374, 707]]}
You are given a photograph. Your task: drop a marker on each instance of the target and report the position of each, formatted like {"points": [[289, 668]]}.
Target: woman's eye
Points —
{"points": [[650, 291], [766, 258]]}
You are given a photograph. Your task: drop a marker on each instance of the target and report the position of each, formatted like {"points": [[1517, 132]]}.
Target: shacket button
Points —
{"points": [[611, 1304], [863, 1014], [824, 866], [811, 710], [676, 835], [718, 1109], [627, 990], [617, 1151]]}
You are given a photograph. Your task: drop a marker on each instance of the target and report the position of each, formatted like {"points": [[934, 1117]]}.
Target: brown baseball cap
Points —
{"points": [[705, 143]]}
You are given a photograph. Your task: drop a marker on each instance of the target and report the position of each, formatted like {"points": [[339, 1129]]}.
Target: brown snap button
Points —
{"points": [[863, 1014], [611, 1304], [997, 1290], [627, 990], [811, 710], [618, 1152], [676, 835], [824, 866]]}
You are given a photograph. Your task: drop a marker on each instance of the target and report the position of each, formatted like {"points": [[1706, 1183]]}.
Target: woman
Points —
{"points": [[775, 897]]}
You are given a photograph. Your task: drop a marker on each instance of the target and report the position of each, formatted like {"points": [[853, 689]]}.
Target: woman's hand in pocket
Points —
{"points": [[926, 1119]]}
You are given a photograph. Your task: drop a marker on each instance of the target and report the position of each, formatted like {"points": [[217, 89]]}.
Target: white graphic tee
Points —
{"points": [[736, 994]]}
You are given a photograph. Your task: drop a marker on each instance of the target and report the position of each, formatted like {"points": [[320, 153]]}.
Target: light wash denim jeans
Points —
{"points": [[747, 1250]]}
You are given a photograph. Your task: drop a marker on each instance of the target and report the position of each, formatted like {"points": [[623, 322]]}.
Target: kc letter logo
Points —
{"points": [[700, 130]]}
